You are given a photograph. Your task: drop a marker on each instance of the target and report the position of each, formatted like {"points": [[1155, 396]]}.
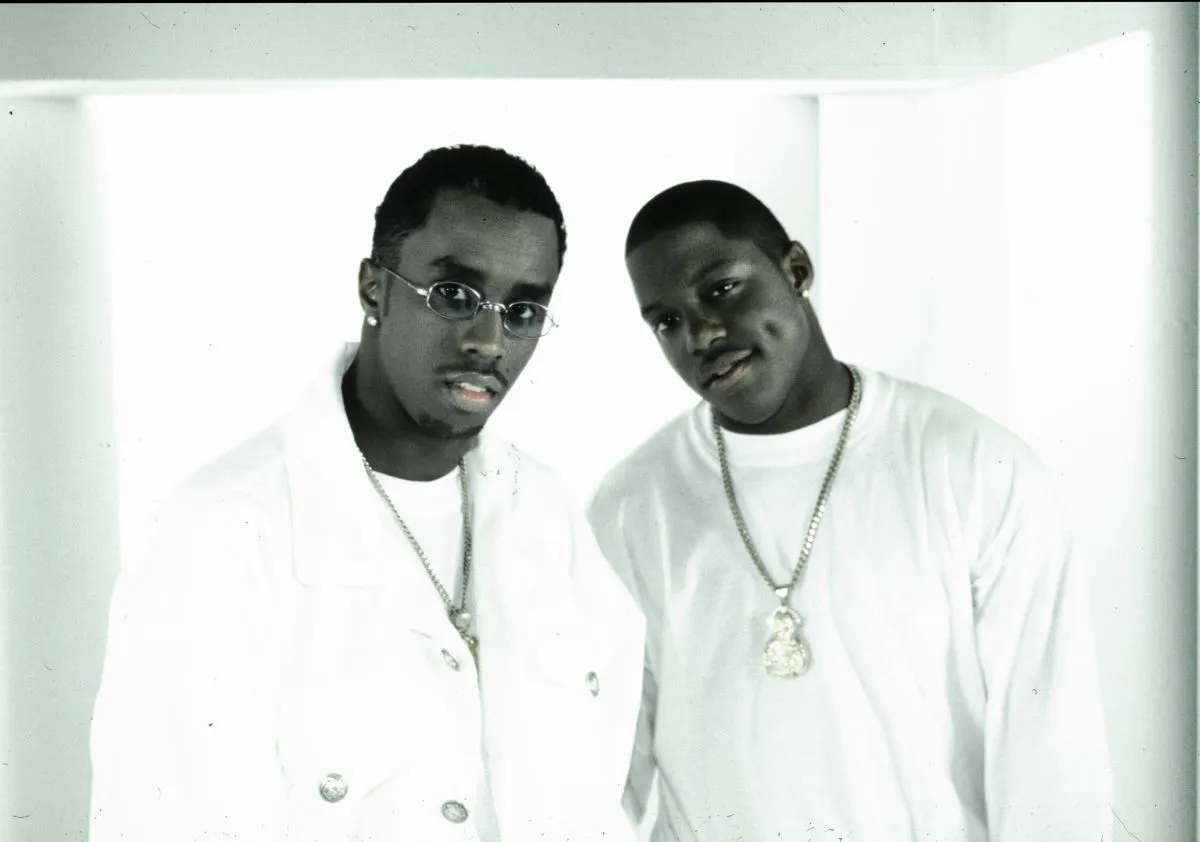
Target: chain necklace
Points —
{"points": [[459, 616], [787, 655]]}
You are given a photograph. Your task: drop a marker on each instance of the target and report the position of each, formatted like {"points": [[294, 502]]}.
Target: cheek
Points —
{"points": [[791, 331], [517, 356], [683, 364]]}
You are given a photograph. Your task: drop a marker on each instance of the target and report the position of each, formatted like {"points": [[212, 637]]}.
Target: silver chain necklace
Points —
{"points": [[459, 616], [787, 655]]}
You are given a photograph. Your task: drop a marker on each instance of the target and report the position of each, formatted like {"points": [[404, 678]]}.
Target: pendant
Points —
{"points": [[461, 618], [786, 654]]}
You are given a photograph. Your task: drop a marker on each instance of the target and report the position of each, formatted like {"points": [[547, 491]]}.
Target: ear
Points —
{"points": [[372, 288], [799, 268]]}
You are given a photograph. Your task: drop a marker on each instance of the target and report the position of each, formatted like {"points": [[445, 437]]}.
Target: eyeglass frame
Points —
{"points": [[482, 303]]}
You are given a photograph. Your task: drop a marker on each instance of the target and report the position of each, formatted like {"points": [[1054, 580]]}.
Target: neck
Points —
{"points": [[392, 442], [824, 390]]}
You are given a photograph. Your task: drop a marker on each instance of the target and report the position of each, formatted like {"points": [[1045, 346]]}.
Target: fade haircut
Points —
{"points": [[484, 171], [736, 212]]}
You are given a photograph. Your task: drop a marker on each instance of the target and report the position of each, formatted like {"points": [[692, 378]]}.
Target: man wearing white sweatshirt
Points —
{"points": [[865, 619]]}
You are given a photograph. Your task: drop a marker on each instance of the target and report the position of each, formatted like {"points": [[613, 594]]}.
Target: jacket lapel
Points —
{"points": [[343, 534]]}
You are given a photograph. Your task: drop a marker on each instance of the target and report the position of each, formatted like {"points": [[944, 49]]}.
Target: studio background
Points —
{"points": [[1000, 200]]}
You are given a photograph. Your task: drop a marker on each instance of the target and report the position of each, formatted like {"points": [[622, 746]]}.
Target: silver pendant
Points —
{"points": [[786, 654], [461, 618]]}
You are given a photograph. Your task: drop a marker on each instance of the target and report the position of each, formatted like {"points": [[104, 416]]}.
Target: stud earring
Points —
{"points": [[372, 321], [804, 294]]}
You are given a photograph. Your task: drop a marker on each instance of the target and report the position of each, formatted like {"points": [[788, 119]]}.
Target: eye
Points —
{"points": [[526, 312], [663, 324], [451, 291], [723, 288]]}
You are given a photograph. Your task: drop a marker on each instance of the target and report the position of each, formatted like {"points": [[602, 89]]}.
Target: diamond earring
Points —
{"points": [[372, 321]]}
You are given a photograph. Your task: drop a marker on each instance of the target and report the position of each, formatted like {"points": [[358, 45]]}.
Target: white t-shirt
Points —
{"points": [[433, 513], [953, 695]]}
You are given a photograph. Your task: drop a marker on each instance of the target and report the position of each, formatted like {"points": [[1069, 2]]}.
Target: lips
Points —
{"points": [[472, 391], [474, 381], [720, 366]]}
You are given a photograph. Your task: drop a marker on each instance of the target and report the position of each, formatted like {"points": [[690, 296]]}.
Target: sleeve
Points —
{"points": [[182, 738], [642, 768], [605, 514], [1048, 772]]}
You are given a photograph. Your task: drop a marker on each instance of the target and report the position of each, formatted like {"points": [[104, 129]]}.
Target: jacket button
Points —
{"points": [[450, 660], [593, 684], [334, 788], [452, 811]]}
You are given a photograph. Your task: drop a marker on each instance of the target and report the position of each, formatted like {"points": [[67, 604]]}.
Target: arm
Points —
{"points": [[1048, 774], [606, 516], [182, 735]]}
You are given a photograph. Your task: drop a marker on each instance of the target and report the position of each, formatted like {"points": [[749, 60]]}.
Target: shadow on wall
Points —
{"points": [[58, 506]]}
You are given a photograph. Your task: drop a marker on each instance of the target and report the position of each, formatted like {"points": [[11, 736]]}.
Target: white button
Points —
{"points": [[334, 788], [451, 661], [593, 683], [452, 811]]}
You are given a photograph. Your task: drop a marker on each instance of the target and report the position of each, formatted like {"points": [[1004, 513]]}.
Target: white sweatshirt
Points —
{"points": [[954, 694]]}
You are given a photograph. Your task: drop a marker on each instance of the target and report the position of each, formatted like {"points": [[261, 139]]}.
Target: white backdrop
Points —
{"points": [[1044, 222]]}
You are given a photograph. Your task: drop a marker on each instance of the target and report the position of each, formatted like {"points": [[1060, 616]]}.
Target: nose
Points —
{"points": [[702, 333], [484, 336]]}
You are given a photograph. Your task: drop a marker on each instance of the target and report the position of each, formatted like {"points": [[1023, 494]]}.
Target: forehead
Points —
{"points": [[501, 243], [682, 255]]}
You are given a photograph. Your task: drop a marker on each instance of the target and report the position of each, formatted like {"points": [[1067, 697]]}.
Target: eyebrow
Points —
{"points": [[697, 278], [522, 290]]}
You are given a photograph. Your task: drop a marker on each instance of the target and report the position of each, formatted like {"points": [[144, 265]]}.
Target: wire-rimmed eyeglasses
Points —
{"points": [[456, 302]]}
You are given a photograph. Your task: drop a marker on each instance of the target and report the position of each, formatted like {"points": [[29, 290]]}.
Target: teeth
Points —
{"points": [[474, 390]]}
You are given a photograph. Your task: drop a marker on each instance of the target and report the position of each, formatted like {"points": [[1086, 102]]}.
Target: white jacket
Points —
{"points": [[280, 631]]}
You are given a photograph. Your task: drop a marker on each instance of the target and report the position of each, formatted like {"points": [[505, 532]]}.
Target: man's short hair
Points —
{"points": [[736, 212], [491, 173]]}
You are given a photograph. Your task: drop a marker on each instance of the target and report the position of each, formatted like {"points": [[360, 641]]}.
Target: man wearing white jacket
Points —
{"points": [[865, 618], [372, 621]]}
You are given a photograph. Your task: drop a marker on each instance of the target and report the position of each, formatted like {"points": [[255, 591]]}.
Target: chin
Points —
{"points": [[444, 428], [747, 413]]}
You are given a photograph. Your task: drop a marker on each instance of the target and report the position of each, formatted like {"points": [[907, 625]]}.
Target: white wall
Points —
{"points": [[1017, 243], [54, 617], [58, 505]]}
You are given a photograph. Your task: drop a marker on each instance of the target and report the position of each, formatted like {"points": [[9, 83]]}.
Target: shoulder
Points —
{"points": [[242, 475], [954, 426], [986, 461], [218, 510], [634, 479]]}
